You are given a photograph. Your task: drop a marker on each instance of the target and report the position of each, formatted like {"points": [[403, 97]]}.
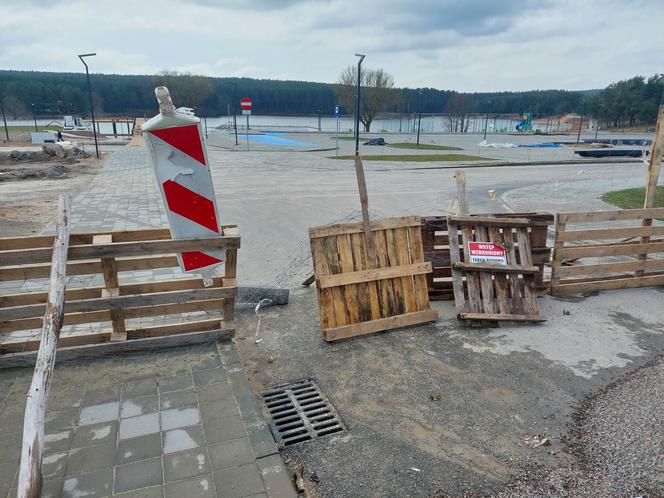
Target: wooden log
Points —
{"points": [[30, 472], [364, 202]]}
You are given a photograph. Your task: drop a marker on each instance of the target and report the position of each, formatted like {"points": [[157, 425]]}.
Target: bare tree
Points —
{"points": [[457, 112], [186, 89], [14, 107], [378, 92]]}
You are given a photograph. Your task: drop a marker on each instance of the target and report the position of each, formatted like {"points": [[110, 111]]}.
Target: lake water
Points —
{"points": [[404, 124]]}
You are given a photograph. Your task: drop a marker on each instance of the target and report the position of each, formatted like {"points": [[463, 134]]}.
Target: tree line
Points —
{"points": [[628, 102]]}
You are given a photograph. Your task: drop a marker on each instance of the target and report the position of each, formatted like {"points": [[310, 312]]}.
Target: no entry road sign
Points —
{"points": [[245, 104], [486, 252]]}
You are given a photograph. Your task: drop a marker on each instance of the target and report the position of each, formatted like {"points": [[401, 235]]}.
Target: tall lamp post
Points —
{"points": [[578, 136], [235, 111], [92, 109], [4, 117], [486, 121], [419, 121], [357, 105]]}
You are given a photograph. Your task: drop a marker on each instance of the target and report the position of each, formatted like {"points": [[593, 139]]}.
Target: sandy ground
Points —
{"points": [[29, 190]]}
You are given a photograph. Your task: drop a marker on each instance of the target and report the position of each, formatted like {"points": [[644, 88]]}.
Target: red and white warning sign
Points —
{"points": [[486, 252], [176, 145], [246, 105]]}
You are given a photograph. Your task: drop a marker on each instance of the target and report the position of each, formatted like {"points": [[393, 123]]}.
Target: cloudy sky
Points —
{"points": [[466, 45]]}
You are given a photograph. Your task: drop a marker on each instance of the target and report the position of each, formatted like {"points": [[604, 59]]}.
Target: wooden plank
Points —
{"points": [[486, 282], [459, 298], [385, 287], [403, 258], [331, 255], [612, 233], [362, 290], [117, 302], [384, 224], [354, 277], [391, 245], [473, 279], [379, 325], [488, 221], [596, 251], [529, 291], [311, 278], [325, 305], [347, 267], [500, 283], [417, 256], [372, 287], [121, 249], [76, 353], [513, 281], [602, 268], [364, 204], [496, 268], [611, 215], [462, 201], [32, 448], [610, 284], [502, 317]]}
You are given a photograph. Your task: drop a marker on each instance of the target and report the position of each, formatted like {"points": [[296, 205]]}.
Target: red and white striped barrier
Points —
{"points": [[176, 145]]}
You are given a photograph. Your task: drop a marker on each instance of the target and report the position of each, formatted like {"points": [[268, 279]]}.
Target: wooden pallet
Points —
{"points": [[435, 241], [109, 254], [357, 295], [494, 291], [605, 250]]}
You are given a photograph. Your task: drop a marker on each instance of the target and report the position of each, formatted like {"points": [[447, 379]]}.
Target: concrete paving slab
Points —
{"points": [[183, 439], [185, 464], [138, 448]]}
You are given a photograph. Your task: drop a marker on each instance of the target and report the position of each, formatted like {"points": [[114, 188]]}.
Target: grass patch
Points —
{"points": [[633, 198], [31, 128], [418, 158], [410, 145], [347, 138]]}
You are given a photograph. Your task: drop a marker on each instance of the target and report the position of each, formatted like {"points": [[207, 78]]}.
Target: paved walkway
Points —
{"points": [[173, 423]]}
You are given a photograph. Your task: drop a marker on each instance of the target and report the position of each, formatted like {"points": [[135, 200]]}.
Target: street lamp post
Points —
{"points": [[486, 123], [419, 121], [34, 116], [235, 112], [357, 105], [4, 117], [92, 109]]}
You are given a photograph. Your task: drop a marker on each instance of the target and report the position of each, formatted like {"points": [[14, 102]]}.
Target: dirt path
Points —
{"points": [[29, 190]]}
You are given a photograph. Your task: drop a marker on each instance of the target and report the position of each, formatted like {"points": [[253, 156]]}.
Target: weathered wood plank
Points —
{"points": [[500, 279], [347, 267], [603, 268], [596, 251], [457, 279], [354, 277], [502, 317], [403, 320], [611, 233], [489, 221], [609, 284], [384, 224], [611, 215], [529, 291], [495, 268]]}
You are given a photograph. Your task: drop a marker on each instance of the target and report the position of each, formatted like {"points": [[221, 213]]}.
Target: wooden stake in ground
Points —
{"points": [[364, 201], [654, 167], [30, 473], [462, 202]]}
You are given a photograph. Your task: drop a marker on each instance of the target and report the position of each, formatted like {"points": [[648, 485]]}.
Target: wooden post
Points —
{"points": [[460, 177], [230, 276], [654, 167], [30, 473], [364, 201], [111, 282]]}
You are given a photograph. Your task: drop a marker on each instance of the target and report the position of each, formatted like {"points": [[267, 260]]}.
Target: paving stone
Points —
{"points": [[175, 383], [215, 410], [54, 465], [140, 387], [98, 483], [95, 414], [91, 435], [207, 377], [206, 362], [214, 392], [177, 399], [224, 429], [230, 453], [185, 464], [7, 475], [199, 487], [152, 492], [57, 441], [183, 439], [83, 460], [137, 475], [179, 417], [101, 395], [238, 482], [276, 479], [59, 420], [51, 488], [139, 426], [138, 406], [138, 448]]}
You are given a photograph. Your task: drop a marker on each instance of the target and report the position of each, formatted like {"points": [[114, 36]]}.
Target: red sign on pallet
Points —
{"points": [[486, 252]]}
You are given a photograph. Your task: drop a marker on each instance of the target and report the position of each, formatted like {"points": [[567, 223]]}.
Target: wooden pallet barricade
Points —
{"points": [[435, 240], [591, 256], [358, 295], [494, 291], [110, 254]]}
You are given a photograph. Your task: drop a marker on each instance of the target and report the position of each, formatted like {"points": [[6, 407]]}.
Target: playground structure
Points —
{"points": [[526, 125]]}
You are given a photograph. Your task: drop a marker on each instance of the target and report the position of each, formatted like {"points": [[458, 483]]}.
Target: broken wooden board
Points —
{"points": [[499, 285], [360, 295]]}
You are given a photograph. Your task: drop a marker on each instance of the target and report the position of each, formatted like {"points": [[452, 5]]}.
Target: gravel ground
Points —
{"points": [[618, 442]]}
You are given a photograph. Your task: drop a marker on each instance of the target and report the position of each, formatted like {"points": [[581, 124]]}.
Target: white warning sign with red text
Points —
{"points": [[486, 252], [176, 145]]}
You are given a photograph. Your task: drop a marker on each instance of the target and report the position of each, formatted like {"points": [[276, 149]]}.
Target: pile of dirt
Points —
{"points": [[49, 153], [36, 173]]}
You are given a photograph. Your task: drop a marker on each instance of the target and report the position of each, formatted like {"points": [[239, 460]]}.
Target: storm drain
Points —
{"points": [[300, 412]]}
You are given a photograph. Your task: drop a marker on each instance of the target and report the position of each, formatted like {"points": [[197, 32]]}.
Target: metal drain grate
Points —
{"points": [[300, 412]]}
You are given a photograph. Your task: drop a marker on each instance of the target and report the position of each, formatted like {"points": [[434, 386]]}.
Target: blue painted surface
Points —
{"points": [[276, 139]]}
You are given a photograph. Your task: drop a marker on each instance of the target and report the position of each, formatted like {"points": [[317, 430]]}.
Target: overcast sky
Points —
{"points": [[464, 45]]}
